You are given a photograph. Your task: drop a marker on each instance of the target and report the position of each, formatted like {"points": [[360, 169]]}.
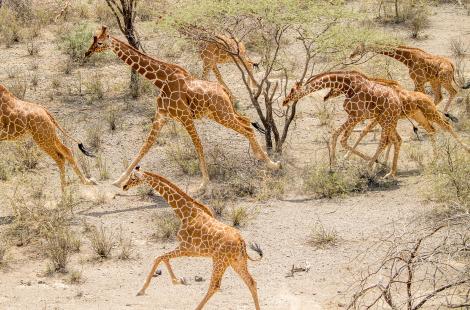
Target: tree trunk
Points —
{"points": [[134, 83]]}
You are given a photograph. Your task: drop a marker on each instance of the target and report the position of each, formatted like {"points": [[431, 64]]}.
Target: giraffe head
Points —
{"points": [[293, 95], [359, 50], [136, 178], [333, 93], [101, 42]]}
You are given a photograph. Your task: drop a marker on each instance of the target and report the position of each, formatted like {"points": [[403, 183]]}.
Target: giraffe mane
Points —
{"points": [[196, 203], [336, 72], [411, 48], [150, 57], [386, 82]]}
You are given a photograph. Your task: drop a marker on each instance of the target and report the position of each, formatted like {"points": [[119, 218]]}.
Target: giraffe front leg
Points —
{"points": [[396, 139], [152, 137], [189, 126], [364, 132], [452, 93], [178, 252]]}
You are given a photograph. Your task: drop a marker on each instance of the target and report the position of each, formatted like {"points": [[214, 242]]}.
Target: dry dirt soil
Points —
{"points": [[281, 225]]}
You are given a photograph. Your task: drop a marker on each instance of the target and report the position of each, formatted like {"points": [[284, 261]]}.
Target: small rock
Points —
{"points": [[198, 279], [41, 282]]}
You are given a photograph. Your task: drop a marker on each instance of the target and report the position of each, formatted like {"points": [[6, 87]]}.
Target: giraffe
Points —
{"points": [[423, 67], [365, 99], [212, 54], [182, 98], [20, 118], [414, 105], [200, 235]]}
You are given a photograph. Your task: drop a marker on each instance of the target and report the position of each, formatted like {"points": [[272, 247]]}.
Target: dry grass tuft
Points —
{"points": [[94, 136], [324, 182], [239, 216], [126, 246], [448, 180], [322, 237], [166, 225], [75, 277], [59, 247], [27, 155], [102, 241]]}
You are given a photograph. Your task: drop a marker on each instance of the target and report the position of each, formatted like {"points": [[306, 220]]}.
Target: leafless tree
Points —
{"points": [[125, 12], [273, 83], [420, 267]]}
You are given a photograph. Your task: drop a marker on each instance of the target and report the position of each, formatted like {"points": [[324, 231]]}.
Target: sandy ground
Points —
{"points": [[281, 227]]}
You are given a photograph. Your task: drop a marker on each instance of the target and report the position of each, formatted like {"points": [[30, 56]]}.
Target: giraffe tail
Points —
{"points": [[255, 247], [80, 144], [258, 127]]}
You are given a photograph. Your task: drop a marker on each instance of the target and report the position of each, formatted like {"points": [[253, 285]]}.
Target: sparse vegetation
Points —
{"points": [[241, 215], [59, 247], [102, 241], [166, 225], [322, 237], [325, 182], [94, 136], [75, 40], [448, 179]]}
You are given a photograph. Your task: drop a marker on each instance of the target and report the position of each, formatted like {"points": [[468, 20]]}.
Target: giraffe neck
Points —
{"points": [[155, 70], [182, 203], [340, 81], [401, 54]]}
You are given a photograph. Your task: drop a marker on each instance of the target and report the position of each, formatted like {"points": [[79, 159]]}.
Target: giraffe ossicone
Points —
{"points": [[182, 98]]}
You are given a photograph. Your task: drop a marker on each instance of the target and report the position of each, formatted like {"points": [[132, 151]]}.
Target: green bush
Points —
{"points": [[448, 178], [75, 41], [324, 182]]}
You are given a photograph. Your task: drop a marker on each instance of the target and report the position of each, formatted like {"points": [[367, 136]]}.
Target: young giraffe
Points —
{"points": [[423, 67], [212, 55], [415, 105], [200, 235], [365, 99], [182, 98], [20, 118]]}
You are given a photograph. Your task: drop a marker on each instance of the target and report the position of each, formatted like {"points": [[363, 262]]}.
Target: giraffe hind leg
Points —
{"points": [[218, 270], [241, 268], [67, 154]]}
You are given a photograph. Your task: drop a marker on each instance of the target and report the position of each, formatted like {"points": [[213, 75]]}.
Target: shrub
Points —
{"points": [[102, 241], [448, 178], [167, 225], [75, 40], [95, 87], [94, 136], [322, 237], [10, 28], [241, 215], [59, 247], [27, 155], [327, 183]]}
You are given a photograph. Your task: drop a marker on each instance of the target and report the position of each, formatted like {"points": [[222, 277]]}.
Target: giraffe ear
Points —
{"points": [[104, 29], [95, 38]]}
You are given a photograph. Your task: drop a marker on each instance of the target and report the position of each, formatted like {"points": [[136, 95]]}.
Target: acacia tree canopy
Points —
{"points": [[294, 39]]}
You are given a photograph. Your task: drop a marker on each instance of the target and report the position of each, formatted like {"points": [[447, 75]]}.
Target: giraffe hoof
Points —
{"points": [[117, 183], [389, 175], [141, 293], [275, 165], [91, 181]]}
